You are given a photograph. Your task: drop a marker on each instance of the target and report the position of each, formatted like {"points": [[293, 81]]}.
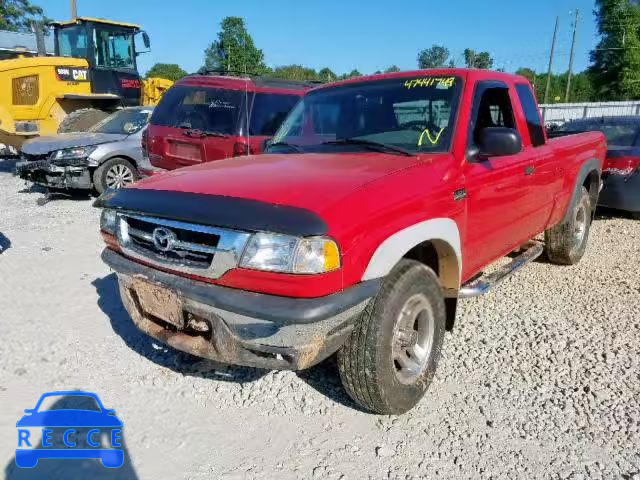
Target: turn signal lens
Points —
{"points": [[331, 256]]}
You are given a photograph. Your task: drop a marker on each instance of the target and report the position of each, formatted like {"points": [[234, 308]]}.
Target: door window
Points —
{"points": [[494, 110], [114, 49]]}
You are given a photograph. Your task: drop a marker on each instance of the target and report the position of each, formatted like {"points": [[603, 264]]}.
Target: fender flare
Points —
{"points": [[589, 166], [391, 250]]}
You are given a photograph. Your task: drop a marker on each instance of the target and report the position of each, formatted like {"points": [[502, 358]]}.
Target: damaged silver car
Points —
{"points": [[107, 156]]}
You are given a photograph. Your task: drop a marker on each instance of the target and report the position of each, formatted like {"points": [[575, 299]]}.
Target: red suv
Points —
{"points": [[204, 118]]}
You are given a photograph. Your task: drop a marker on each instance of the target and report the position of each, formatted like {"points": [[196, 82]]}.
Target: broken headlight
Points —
{"points": [[108, 221], [287, 254], [72, 156]]}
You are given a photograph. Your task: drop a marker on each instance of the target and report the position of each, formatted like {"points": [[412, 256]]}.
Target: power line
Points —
{"points": [[553, 47], [573, 46]]}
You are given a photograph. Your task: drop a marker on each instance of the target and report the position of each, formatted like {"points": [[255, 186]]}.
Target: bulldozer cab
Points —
{"points": [[110, 50]]}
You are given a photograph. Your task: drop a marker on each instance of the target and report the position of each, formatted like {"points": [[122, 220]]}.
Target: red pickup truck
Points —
{"points": [[377, 206]]}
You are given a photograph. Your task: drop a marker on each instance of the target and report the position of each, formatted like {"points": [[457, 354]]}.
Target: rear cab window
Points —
{"points": [[211, 110], [532, 115]]}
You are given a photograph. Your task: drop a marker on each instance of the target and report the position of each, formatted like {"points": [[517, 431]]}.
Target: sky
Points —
{"points": [[355, 34]]}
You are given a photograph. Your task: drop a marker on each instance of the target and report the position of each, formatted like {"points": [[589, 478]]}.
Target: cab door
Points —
{"points": [[499, 189], [544, 171]]}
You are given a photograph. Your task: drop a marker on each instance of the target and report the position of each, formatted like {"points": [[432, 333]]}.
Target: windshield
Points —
{"points": [[415, 114], [617, 134], [125, 122], [211, 110], [72, 41]]}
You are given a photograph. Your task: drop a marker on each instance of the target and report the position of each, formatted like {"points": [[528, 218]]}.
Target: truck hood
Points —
{"points": [[44, 145], [312, 181]]}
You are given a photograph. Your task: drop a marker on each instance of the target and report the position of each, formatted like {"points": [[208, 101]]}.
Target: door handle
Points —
{"points": [[530, 170]]}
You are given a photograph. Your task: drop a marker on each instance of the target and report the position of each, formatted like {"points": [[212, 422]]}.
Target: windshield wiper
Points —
{"points": [[377, 146], [293, 147]]}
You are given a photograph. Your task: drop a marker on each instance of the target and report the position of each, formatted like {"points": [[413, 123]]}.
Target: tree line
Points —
{"points": [[614, 72]]}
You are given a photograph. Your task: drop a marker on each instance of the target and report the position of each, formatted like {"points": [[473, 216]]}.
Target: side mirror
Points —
{"points": [[109, 411], [499, 142], [28, 410], [265, 145], [145, 40]]}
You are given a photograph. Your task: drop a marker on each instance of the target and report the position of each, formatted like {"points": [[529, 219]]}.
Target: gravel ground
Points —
{"points": [[539, 379]]}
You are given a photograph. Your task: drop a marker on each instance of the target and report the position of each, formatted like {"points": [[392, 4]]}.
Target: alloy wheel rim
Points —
{"points": [[118, 176], [413, 338]]}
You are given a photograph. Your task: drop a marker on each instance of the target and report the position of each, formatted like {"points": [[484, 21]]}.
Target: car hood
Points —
{"points": [[312, 181], [44, 145], [69, 418]]}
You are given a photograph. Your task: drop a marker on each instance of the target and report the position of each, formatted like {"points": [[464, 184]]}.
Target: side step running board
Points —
{"points": [[482, 285]]}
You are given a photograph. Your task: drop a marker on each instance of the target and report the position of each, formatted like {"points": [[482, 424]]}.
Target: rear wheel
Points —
{"points": [[390, 358], [566, 243], [81, 120], [114, 173]]}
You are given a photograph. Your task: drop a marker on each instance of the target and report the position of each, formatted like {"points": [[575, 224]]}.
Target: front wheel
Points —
{"points": [[390, 358], [114, 173], [566, 243]]}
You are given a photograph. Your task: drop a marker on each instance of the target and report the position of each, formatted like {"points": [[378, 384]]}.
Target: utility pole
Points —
{"points": [[573, 46], [74, 10], [553, 49]]}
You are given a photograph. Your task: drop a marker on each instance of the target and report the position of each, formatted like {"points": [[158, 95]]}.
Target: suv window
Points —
{"points": [[534, 124], [208, 109], [269, 110], [494, 110]]}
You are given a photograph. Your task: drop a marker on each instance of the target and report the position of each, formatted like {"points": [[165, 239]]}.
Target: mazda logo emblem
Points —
{"points": [[164, 239]]}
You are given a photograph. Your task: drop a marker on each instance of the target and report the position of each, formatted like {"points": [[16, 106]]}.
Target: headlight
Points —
{"points": [[108, 221], [288, 254], [74, 153]]}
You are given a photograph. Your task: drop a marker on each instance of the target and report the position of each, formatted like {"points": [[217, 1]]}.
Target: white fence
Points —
{"points": [[559, 113]]}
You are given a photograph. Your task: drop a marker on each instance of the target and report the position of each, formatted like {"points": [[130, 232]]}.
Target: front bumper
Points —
{"points": [[240, 327], [43, 172], [621, 192]]}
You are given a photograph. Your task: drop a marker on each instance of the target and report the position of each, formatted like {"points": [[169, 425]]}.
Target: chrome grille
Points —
{"points": [[185, 247]]}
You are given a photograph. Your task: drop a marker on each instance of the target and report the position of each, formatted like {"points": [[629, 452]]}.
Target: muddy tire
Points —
{"points": [[81, 120], [114, 173], [566, 243], [390, 358]]}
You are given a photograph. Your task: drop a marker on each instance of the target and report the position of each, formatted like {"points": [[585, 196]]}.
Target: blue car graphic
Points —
{"points": [[100, 422]]}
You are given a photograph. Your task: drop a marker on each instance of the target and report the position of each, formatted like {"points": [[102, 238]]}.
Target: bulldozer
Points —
{"points": [[93, 72]]}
